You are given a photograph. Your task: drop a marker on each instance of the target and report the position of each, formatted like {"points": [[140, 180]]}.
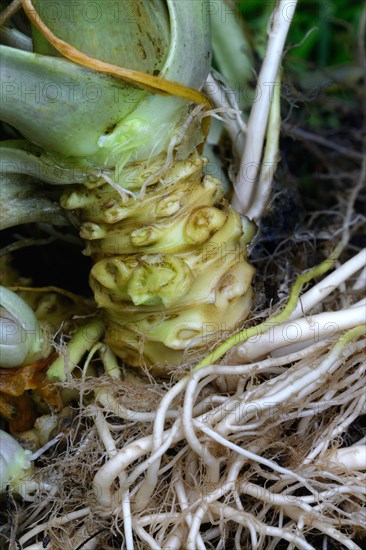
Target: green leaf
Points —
{"points": [[50, 101]]}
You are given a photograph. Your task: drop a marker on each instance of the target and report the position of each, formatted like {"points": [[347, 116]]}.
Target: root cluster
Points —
{"points": [[264, 453]]}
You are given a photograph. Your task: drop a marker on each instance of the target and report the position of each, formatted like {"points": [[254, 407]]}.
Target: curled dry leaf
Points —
{"points": [[16, 403]]}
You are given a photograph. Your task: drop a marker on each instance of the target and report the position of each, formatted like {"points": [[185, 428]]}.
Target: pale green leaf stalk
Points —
{"points": [[17, 472], [232, 51], [15, 464], [170, 270]]}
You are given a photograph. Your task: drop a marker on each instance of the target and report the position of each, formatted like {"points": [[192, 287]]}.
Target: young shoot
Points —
{"points": [[22, 340]]}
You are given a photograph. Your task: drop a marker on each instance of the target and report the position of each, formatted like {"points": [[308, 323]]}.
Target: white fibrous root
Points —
{"points": [[353, 457]]}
